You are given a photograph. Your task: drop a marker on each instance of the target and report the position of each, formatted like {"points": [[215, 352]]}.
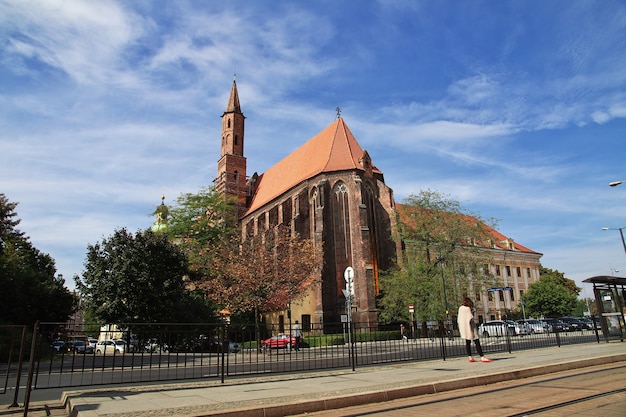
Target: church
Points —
{"points": [[329, 190]]}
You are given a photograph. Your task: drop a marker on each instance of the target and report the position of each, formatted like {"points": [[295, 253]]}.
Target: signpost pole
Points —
{"points": [[349, 294]]}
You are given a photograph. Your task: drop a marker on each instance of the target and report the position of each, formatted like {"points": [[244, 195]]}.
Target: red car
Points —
{"points": [[280, 341]]}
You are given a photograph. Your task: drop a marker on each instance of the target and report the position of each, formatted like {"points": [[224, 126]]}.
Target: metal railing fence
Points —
{"points": [[88, 355]]}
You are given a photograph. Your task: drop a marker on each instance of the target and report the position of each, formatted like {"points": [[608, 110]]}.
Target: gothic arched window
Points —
{"points": [[341, 231]]}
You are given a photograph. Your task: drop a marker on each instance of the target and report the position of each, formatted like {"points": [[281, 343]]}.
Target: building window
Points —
{"points": [[229, 123], [306, 322], [236, 139], [368, 198], [498, 270], [508, 271], [527, 272], [341, 232], [501, 295], [519, 272], [317, 199]]}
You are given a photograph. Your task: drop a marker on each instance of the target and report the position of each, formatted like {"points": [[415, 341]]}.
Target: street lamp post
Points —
{"points": [[445, 297], [621, 232]]}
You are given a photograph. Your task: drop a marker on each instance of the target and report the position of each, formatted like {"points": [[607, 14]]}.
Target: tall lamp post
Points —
{"points": [[445, 296], [621, 232]]}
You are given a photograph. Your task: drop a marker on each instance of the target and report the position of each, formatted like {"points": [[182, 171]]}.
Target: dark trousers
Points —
{"points": [[468, 347]]}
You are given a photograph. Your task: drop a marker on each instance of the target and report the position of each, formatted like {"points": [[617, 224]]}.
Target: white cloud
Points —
{"points": [[84, 39]]}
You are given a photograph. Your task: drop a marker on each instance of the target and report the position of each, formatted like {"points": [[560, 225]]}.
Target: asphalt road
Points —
{"points": [[594, 391]]}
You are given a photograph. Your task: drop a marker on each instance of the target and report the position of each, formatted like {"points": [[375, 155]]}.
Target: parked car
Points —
{"points": [[536, 326], [588, 323], [280, 341], [92, 342], [132, 346], [492, 328], [215, 344], [218, 345], [79, 346], [517, 329], [58, 346], [575, 324], [499, 327], [561, 326], [153, 346], [111, 346]]}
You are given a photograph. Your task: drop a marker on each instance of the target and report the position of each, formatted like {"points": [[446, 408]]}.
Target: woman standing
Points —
{"points": [[467, 329]]}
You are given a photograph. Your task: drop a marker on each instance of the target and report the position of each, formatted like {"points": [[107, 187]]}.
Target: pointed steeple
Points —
{"points": [[233, 105]]}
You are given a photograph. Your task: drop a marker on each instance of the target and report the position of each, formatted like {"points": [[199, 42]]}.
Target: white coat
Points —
{"points": [[465, 321]]}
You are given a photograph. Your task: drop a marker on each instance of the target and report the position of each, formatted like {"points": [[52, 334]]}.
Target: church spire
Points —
{"points": [[233, 105], [231, 168]]}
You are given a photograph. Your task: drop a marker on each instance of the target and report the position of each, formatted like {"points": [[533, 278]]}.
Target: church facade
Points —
{"points": [[330, 191]]}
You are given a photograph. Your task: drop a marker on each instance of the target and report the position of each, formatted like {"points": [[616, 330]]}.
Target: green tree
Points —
{"points": [[559, 278], [442, 245], [138, 278], [263, 272], [549, 298], [240, 273], [585, 306], [30, 289], [201, 224]]}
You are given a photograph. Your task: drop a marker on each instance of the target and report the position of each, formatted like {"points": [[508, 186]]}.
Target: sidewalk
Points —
{"points": [[284, 394]]}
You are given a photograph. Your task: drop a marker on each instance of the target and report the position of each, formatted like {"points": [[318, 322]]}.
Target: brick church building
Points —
{"points": [[329, 190]]}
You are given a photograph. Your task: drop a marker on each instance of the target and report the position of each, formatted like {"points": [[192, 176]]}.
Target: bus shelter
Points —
{"points": [[609, 293]]}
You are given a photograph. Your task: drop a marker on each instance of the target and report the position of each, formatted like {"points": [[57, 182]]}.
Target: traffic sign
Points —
{"points": [[411, 308], [349, 276]]}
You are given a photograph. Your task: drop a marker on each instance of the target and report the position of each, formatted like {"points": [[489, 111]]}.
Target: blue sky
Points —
{"points": [[515, 109]]}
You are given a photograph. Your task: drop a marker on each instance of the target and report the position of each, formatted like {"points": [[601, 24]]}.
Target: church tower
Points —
{"points": [[231, 167]]}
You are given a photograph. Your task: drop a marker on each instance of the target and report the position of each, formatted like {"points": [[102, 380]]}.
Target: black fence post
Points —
{"points": [[442, 339], [556, 331], [225, 346], [31, 368], [20, 363]]}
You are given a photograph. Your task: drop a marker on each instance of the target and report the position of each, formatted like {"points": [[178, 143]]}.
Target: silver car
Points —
{"points": [[535, 326], [518, 329], [493, 328]]}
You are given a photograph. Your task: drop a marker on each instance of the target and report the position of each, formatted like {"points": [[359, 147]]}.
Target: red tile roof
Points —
{"points": [[333, 149]]}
